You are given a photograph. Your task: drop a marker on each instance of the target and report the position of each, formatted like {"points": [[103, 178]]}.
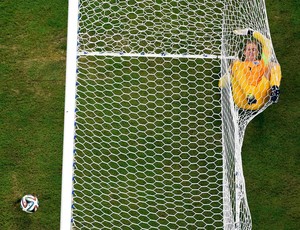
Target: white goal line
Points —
{"points": [[165, 55]]}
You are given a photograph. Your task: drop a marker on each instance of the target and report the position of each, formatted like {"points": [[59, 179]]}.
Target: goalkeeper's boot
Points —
{"points": [[275, 92], [251, 99], [246, 31]]}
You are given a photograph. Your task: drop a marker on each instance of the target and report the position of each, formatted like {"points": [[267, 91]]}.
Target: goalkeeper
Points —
{"points": [[254, 81]]}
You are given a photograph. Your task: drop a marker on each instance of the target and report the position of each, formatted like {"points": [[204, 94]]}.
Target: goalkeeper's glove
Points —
{"points": [[246, 31], [251, 99], [274, 97]]}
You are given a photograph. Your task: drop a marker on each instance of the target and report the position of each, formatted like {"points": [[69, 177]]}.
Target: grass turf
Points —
{"points": [[33, 42], [272, 141]]}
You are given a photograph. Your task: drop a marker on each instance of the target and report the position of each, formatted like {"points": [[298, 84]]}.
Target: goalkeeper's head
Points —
{"points": [[251, 51]]}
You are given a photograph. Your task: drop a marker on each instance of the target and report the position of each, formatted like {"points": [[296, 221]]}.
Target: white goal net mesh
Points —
{"points": [[156, 144]]}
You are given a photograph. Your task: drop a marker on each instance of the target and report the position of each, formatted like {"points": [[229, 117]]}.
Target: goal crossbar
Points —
{"points": [[155, 55]]}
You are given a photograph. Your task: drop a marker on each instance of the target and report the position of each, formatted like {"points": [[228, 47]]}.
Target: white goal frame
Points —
{"points": [[70, 107], [69, 126]]}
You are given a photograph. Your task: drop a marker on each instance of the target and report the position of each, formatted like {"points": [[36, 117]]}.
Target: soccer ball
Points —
{"points": [[29, 203]]}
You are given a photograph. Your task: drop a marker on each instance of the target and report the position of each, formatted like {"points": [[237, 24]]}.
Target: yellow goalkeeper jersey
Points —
{"points": [[255, 77]]}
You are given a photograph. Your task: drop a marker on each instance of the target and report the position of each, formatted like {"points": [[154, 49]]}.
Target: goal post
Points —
{"points": [[69, 116], [151, 140]]}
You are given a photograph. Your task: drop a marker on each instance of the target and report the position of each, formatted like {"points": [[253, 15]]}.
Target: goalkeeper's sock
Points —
{"points": [[251, 99]]}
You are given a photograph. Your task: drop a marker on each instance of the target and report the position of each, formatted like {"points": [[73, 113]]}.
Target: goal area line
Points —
{"points": [[164, 55]]}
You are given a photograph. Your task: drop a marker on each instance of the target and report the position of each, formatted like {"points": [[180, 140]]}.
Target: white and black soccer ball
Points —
{"points": [[29, 203]]}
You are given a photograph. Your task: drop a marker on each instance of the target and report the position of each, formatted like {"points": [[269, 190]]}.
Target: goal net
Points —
{"points": [[151, 141]]}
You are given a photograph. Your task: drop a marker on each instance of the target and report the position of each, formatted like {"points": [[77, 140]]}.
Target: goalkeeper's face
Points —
{"points": [[251, 51]]}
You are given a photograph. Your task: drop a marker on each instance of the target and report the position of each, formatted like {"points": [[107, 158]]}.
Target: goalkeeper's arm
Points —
{"points": [[266, 47], [265, 43], [224, 81]]}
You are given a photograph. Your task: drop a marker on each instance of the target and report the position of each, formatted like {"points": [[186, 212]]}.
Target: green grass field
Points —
{"points": [[33, 50]]}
